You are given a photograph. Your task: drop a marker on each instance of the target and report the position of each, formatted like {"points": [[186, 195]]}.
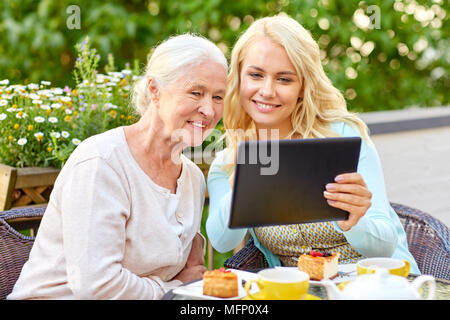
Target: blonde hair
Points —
{"points": [[169, 61], [322, 103]]}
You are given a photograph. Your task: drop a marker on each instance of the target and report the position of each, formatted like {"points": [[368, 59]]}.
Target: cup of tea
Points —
{"points": [[279, 284], [394, 266]]}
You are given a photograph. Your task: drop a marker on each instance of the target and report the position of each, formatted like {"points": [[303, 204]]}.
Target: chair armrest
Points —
{"points": [[23, 218], [248, 258]]}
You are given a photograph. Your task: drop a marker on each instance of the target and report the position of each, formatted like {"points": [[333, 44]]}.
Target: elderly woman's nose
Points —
{"points": [[207, 107]]}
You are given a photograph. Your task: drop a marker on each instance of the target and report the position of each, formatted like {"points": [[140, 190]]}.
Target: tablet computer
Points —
{"points": [[279, 182]]}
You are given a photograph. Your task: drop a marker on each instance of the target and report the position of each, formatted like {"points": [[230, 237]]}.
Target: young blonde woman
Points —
{"points": [[277, 85]]}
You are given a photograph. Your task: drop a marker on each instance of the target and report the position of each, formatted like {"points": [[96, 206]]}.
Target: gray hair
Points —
{"points": [[168, 61]]}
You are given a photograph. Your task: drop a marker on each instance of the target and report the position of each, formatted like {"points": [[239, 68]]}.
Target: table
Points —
{"points": [[442, 290]]}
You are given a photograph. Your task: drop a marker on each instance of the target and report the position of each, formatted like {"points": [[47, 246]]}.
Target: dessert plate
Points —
{"points": [[346, 272], [195, 290]]}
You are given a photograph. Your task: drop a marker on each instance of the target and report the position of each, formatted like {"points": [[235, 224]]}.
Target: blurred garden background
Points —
{"points": [[382, 55], [405, 62]]}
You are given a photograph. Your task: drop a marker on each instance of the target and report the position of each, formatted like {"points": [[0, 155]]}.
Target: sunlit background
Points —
{"points": [[403, 61]]}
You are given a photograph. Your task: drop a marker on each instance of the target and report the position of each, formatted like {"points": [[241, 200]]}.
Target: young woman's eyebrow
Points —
{"points": [[280, 73]]}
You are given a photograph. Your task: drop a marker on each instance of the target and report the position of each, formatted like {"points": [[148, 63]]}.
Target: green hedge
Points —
{"points": [[408, 64]]}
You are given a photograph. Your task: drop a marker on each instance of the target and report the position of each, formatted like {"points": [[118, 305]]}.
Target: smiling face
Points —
{"points": [[193, 105], [269, 86]]}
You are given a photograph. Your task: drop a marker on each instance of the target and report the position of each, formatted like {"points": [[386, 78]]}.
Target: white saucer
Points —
{"points": [[346, 272], [195, 289]]}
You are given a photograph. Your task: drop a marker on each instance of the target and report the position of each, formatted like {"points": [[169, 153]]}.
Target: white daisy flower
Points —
{"points": [[47, 83], [33, 86], [21, 115], [53, 119], [115, 74], [100, 79], [4, 82], [3, 103], [109, 105], [39, 135], [14, 109], [19, 88], [56, 105], [65, 99], [65, 134], [68, 111], [2, 116], [76, 141], [22, 141], [34, 96], [37, 101], [45, 106], [56, 135], [57, 91], [45, 93], [39, 119]]}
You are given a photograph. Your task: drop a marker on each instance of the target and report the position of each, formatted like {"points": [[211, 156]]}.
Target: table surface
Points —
{"points": [[442, 290]]}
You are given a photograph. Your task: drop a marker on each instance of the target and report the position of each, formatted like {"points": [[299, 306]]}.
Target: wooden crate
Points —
{"points": [[21, 187]]}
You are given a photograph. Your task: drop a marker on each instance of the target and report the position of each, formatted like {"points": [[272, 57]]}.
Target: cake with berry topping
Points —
{"points": [[220, 283], [319, 265]]}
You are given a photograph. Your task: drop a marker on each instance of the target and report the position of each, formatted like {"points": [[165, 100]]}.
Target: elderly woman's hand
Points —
{"points": [[190, 273], [194, 267], [349, 193], [196, 256]]}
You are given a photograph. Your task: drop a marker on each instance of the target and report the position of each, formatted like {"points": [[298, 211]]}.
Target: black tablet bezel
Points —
{"points": [[295, 194]]}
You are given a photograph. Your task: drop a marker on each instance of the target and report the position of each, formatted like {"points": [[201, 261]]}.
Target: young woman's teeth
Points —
{"points": [[265, 106]]}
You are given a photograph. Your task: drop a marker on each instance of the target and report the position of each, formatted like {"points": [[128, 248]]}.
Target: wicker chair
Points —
{"points": [[428, 241], [14, 246]]}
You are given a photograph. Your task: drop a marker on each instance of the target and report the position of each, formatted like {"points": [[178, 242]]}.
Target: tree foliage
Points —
{"points": [[404, 62]]}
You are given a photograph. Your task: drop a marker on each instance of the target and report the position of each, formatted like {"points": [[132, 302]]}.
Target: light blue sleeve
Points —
{"points": [[222, 238], [375, 234]]}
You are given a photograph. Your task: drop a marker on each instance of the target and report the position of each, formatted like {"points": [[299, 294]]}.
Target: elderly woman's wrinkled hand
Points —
{"points": [[190, 273], [349, 193], [194, 267]]}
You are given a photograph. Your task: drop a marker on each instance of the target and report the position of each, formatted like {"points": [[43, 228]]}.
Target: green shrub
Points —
{"points": [[40, 125]]}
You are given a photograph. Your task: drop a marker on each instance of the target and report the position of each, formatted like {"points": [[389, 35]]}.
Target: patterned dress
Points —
{"points": [[288, 242]]}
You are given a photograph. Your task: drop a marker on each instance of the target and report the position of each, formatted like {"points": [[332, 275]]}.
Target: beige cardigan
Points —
{"points": [[109, 231]]}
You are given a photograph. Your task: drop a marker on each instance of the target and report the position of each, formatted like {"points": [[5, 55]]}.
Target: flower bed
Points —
{"points": [[41, 125]]}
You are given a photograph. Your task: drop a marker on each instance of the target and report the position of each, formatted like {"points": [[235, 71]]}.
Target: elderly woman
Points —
{"points": [[123, 219], [277, 84]]}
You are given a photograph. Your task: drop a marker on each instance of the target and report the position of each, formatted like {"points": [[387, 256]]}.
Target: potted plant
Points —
{"points": [[41, 125]]}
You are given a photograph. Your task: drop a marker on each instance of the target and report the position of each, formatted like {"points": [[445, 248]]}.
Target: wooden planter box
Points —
{"points": [[21, 187]]}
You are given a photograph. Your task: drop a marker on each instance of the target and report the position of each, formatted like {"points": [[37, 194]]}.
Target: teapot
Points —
{"points": [[381, 286]]}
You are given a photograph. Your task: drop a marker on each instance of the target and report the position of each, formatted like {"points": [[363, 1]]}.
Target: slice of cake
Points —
{"points": [[220, 283], [319, 265]]}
